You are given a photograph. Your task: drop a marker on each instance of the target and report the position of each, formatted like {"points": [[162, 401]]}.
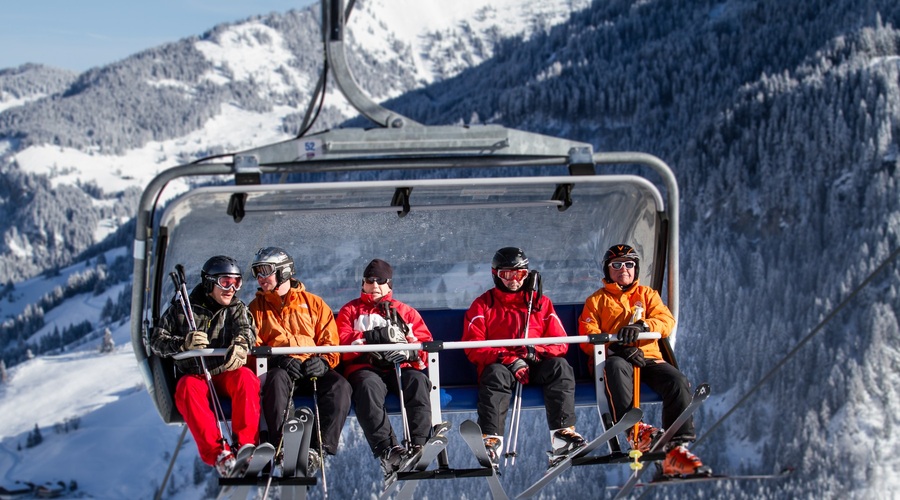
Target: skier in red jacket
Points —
{"points": [[514, 309]]}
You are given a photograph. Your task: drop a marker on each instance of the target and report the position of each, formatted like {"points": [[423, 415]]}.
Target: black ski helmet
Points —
{"points": [[217, 266], [507, 258], [621, 251], [284, 264]]}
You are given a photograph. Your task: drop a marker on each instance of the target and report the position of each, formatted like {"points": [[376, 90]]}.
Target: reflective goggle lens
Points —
{"points": [[619, 265], [229, 282], [512, 274], [373, 279], [263, 270]]}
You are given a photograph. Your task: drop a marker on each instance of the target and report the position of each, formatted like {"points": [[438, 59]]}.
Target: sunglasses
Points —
{"points": [[511, 274], [619, 265], [226, 282], [263, 270], [373, 279]]}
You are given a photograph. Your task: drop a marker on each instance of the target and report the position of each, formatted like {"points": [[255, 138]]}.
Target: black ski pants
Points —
{"points": [[666, 380], [496, 384], [334, 405], [371, 387]]}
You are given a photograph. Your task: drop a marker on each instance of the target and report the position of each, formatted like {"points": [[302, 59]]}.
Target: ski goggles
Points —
{"points": [[628, 264], [263, 270], [511, 274], [229, 282], [373, 279]]}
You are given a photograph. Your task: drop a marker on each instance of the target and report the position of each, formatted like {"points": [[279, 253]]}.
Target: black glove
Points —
{"points": [[314, 367], [519, 368], [633, 355], [378, 335], [629, 334], [293, 366]]}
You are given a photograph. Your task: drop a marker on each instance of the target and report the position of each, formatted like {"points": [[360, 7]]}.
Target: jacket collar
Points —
{"points": [[369, 300], [613, 288]]}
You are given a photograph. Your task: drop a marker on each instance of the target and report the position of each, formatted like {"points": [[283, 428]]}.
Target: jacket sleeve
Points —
{"points": [[553, 327], [589, 321], [346, 334], [475, 328], [418, 329], [167, 338], [327, 333], [658, 317], [245, 326], [256, 314]]}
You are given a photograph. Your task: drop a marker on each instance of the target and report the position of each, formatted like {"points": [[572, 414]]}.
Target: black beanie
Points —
{"points": [[378, 269]]}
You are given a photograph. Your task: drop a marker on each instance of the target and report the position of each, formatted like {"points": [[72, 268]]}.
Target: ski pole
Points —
{"points": [[319, 434], [406, 435], [517, 403], [514, 422], [637, 316]]}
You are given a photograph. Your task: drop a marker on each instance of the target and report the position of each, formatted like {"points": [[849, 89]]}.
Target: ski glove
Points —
{"points": [[236, 356], [519, 369], [314, 367], [379, 335], [389, 334], [629, 334], [293, 367], [196, 339], [398, 356], [633, 355], [528, 353]]}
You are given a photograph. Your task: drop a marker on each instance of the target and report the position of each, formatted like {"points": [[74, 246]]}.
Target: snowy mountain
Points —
{"points": [[781, 120], [73, 148]]}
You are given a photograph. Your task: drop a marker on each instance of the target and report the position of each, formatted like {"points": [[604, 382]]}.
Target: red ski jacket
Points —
{"points": [[497, 315]]}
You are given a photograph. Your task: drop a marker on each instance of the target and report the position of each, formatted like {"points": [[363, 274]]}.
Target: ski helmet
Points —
{"points": [[217, 266], [271, 260], [507, 258], [621, 251]]}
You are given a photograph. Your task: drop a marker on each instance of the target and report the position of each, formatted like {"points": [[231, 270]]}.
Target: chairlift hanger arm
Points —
{"points": [[336, 61]]}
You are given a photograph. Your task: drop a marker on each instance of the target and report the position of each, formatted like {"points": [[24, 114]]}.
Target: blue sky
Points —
{"points": [[78, 35]]}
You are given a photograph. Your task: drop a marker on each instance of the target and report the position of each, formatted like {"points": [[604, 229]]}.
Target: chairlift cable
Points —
{"points": [[818, 328]]}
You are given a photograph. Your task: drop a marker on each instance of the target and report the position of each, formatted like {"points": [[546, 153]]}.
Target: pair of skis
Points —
{"points": [[633, 416], [700, 396], [296, 473], [418, 462], [672, 481], [251, 461], [416, 467], [628, 420]]}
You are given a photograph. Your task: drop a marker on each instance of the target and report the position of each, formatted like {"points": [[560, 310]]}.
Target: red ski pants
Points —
{"points": [[192, 400]]}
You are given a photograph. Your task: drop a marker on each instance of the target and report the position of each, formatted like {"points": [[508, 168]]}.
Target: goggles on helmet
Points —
{"points": [[511, 274], [628, 264], [263, 270], [228, 282]]}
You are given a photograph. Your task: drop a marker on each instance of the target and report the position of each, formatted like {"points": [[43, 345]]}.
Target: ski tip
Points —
{"points": [[469, 424], [634, 415]]}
